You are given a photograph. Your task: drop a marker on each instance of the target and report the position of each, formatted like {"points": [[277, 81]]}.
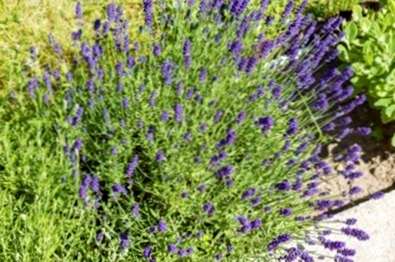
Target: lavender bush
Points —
{"points": [[202, 143]]}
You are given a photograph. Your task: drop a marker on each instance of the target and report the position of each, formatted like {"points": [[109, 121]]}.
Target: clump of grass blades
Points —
{"points": [[27, 23], [203, 143]]}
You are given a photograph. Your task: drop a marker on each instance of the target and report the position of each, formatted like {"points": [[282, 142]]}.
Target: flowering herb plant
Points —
{"points": [[204, 142]]}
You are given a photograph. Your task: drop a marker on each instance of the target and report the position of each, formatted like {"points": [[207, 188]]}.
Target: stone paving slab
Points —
{"points": [[377, 218]]}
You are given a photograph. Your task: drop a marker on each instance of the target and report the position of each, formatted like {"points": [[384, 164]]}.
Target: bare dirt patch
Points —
{"points": [[377, 163]]}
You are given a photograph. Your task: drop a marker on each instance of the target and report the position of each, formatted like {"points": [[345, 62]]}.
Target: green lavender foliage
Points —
{"points": [[42, 217], [369, 46]]}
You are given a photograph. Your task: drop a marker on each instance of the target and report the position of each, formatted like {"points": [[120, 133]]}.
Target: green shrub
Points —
{"points": [[201, 143], [369, 46]]}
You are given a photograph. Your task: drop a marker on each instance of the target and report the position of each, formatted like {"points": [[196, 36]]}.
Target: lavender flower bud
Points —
{"points": [[167, 70], [148, 12], [124, 241], [178, 113]]}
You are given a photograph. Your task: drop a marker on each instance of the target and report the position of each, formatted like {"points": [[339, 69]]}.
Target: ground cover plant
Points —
{"points": [[369, 47], [201, 143]]}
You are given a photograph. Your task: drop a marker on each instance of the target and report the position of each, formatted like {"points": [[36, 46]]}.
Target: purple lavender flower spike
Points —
{"points": [[47, 80], [77, 145], [147, 253], [152, 99], [265, 47], [265, 124], [97, 50], [287, 10], [225, 171], [363, 131], [203, 6], [243, 28], [162, 226], [172, 248], [256, 201], [105, 28], [228, 140], [164, 117], [33, 53], [156, 49], [217, 4], [354, 232], [124, 241], [306, 257], [119, 189], [377, 195], [160, 156], [218, 116], [167, 70], [78, 116], [190, 2], [96, 25], [132, 166], [264, 4], [355, 190], [125, 103], [208, 208], [275, 243], [84, 187], [136, 210], [111, 12], [186, 50], [292, 127], [237, 7], [187, 137], [131, 62], [32, 87], [353, 154], [99, 236], [249, 192], [283, 186], [346, 252], [119, 69], [202, 74], [178, 113], [256, 224], [95, 184], [235, 48], [251, 64], [76, 35], [286, 212], [90, 85], [150, 134], [241, 117], [55, 45], [350, 221], [202, 188], [148, 12]]}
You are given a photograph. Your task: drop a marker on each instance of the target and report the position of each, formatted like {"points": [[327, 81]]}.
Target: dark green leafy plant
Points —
{"points": [[323, 9], [369, 46]]}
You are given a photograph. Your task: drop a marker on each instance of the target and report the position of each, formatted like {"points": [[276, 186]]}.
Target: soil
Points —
{"points": [[378, 158]]}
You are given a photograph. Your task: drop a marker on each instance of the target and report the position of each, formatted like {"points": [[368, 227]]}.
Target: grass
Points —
{"points": [[26, 23]]}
